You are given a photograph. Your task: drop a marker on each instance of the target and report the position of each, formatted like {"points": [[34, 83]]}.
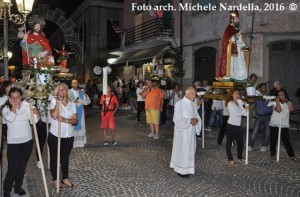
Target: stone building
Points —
{"points": [[275, 46]]}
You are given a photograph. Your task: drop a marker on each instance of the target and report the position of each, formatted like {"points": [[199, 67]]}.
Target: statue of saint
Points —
{"points": [[64, 56], [34, 43], [234, 52]]}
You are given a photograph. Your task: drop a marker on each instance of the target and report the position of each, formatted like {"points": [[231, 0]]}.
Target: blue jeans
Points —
{"points": [[213, 114], [261, 121]]}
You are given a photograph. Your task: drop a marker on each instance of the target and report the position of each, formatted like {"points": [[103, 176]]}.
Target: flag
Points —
{"points": [[151, 10], [116, 28]]}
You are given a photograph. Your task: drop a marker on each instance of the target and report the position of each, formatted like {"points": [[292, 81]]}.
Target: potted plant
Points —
{"points": [[250, 85]]}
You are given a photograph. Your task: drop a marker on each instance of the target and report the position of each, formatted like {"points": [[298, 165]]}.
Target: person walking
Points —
{"points": [[19, 140], [233, 128], [67, 118], [80, 99], [282, 109], [187, 124]]}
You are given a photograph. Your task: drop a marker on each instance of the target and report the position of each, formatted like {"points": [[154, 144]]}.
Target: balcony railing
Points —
{"points": [[156, 28]]}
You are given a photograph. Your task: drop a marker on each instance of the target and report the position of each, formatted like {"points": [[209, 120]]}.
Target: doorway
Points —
{"points": [[205, 64]]}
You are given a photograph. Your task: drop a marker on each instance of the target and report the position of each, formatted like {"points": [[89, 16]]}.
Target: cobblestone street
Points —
{"points": [[139, 166]]}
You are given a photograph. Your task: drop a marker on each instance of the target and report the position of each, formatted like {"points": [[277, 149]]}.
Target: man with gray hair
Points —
{"points": [[187, 124], [277, 88]]}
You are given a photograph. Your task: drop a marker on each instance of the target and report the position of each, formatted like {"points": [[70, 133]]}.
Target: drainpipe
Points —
{"points": [[181, 51]]}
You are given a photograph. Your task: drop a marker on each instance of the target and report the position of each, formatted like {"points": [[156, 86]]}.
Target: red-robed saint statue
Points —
{"points": [[232, 61], [34, 43]]}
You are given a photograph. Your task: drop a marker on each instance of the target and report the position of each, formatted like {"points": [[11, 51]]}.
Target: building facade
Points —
{"points": [[275, 53]]}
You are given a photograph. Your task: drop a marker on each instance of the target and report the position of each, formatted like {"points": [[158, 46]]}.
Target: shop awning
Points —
{"points": [[140, 54]]}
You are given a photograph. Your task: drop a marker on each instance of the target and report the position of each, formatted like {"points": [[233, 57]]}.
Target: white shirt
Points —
{"points": [[217, 105], [18, 126], [235, 112], [138, 91], [285, 116], [225, 110], [67, 130], [3, 100], [175, 98]]}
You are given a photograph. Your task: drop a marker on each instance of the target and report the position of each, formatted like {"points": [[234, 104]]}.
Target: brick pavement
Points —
{"points": [[139, 166]]}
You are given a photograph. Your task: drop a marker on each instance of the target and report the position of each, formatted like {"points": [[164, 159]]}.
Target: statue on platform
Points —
{"points": [[34, 43], [234, 58], [64, 56]]}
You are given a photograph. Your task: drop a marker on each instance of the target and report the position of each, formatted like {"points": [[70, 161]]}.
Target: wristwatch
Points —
{"points": [[67, 120]]}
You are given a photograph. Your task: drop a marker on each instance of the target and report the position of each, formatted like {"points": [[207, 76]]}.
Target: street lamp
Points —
{"points": [[24, 7]]}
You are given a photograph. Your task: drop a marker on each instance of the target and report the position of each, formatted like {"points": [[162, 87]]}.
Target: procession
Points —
{"points": [[138, 121]]}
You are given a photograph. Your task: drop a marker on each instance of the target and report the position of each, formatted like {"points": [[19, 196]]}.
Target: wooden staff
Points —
{"points": [[247, 137], [38, 149], [203, 120], [48, 152], [1, 149], [279, 135], [58, 147]]}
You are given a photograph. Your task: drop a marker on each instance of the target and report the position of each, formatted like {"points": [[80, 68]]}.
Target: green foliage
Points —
{"points": [[250, 83], [174, 53]]}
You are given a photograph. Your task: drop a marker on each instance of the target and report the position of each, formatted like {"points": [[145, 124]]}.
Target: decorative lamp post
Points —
{"points": [[24, 7]]}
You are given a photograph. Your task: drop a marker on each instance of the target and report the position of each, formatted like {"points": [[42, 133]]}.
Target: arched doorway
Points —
{"points": [[285, 66], [205, 64]]}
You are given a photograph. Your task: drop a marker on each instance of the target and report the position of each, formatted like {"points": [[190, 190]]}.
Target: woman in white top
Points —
{"points": [[140, 100], [68, 118], [233, 128], [282, 109], [19, 140]]}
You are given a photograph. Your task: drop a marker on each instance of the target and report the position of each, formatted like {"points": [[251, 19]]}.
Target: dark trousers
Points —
{"points": [[17, 156], [285, 138], [42, 136], [163, 114], [223, 129], [141, 108], [65, 150], [234, 133]]}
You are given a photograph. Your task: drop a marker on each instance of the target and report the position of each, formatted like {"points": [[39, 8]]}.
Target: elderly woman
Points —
{"points": [[67, 118], [19, 140]]}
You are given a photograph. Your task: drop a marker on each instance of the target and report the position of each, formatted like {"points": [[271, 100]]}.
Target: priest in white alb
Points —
{"points": [[80, 99], [187, 124]]}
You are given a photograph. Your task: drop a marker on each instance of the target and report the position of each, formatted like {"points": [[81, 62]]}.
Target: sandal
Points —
{"points": [[232, 162], [294, 158], [67, 183], [55, 186]]}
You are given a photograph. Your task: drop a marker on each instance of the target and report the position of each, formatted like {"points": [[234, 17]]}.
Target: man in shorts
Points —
{"points": [[110, 105], [154, 100]]}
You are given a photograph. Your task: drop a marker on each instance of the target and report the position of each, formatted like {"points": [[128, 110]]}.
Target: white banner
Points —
{"points": [[104, 81]]}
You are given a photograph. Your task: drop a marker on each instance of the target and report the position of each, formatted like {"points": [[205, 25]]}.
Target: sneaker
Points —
{"points": [[156, 137], [264, 148], [150, 135], [208, 129], [114, 143], [106, 143], [250, 148], [39, 164]]}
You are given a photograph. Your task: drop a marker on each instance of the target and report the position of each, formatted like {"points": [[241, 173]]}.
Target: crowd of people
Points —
{"points": [[149, 97]]}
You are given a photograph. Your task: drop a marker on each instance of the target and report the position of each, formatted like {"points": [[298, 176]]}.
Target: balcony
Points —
{"points": [[158, 29]]}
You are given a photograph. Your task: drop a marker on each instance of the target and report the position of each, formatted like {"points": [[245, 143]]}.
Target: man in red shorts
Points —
{"points": [[110, 105]]}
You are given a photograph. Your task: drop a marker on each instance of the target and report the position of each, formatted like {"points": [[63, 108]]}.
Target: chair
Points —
{"points": [[294, 119]]}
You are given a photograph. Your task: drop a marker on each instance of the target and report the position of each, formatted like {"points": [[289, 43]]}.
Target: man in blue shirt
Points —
{"points": [[263, 115]]}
